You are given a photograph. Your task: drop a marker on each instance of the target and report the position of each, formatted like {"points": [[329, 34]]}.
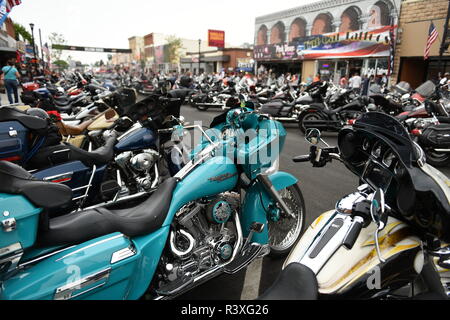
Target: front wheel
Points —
{"points": [[311, 116], [285, 231]]}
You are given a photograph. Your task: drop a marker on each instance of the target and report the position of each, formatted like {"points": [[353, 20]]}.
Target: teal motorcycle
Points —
{"points": [[228, 206]]}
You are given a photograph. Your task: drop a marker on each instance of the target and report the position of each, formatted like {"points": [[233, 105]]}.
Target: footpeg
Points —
{"points": [[175, 286], [242, 261]]}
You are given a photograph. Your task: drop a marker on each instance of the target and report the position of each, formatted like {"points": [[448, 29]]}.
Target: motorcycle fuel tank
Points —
{"points": [[141, 138], [215, 176]]}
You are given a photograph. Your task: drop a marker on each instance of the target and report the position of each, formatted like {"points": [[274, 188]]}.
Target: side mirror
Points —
{"points": [[313, 136]]}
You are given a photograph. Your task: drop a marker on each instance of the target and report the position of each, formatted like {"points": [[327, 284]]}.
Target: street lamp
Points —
{"points": [[34, 46], [199, 54]]}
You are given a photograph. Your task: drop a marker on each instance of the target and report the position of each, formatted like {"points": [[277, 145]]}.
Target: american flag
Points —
{"points": [[432, 37], [11, 3]]}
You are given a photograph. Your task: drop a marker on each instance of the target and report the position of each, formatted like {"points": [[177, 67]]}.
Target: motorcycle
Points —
{"points": [[128, 164], [218, 214], [381, 241], [327, 119]]}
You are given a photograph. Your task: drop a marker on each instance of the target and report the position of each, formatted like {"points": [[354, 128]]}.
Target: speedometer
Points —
{"points": [[376, 151], [388, 159], [366, 144]]}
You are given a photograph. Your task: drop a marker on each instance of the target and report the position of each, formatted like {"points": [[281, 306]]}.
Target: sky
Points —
{"points": [[109, 23]]}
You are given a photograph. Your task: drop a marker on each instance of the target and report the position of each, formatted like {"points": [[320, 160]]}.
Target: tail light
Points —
{"points": [[351, 122], [416, 132]]}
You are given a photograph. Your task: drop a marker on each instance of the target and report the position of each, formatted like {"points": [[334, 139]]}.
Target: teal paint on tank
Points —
{"points": [[215, 176]]}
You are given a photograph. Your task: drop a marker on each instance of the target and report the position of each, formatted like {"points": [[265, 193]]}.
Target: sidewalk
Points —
{"points": [[4, 98]]}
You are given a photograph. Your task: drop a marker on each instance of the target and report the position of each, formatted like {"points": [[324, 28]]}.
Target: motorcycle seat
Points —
{"points": [[30, 122], [296, 282], [143, 219], [49, 155], [47, 195]]}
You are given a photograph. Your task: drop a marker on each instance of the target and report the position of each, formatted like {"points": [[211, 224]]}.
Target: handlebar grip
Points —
{"points": [[353, 235], [302, 159]]}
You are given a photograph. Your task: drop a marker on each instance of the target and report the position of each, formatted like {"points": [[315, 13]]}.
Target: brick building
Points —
{"points": [[414, 24], [332, 37], [228, 59]]}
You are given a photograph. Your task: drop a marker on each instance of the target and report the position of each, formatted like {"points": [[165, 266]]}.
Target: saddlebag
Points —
{"points": [[437, 137], [19, 222], [272, 108], [13, 141]]}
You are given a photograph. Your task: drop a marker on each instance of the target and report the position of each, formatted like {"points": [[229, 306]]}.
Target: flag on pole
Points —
{"points": [[6, 7], [432, 37], [11, 3], [391, 51]]}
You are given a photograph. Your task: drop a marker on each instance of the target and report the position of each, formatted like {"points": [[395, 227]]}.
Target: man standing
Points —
{"points": [[355, 83]]}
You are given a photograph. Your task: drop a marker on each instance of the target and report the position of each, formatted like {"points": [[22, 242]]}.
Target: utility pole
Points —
{"points": [[34, 45], [445, 44], [42, 49], [199, 54]]}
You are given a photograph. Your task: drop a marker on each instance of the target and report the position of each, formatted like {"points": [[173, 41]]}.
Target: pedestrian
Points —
{"points": [[317, 78], [355, 83], [343, 82], [365, 85], [9, 79]]}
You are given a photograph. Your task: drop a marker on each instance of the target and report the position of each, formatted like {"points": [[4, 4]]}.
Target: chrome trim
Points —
{"points": [[9, 225], [123, 254], [94, 169], [12, 255], [66, 292], [10, 249], [134, 128], [316, 264], [25, 264], [58, 176], [90, 246]]}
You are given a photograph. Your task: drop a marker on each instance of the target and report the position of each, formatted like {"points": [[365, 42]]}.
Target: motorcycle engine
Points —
{"points": [[205, 237], [138, 167]]}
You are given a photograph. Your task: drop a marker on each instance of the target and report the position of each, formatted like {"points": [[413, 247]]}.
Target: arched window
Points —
{"points": [[350, 20], [379, 15], [322, 24], [277, 34], [298, 29], [262, 36]]}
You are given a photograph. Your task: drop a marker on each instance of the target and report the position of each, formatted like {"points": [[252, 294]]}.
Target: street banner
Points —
{"points": [[361, 44], [89, 49], [216, 38]]}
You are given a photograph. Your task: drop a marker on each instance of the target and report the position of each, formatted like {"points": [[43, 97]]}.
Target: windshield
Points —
{"points": [[390, 128]]}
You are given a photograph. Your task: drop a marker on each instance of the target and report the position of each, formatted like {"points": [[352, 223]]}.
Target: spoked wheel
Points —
{"points": [[284, 231], [437, 159], [313, 116]]}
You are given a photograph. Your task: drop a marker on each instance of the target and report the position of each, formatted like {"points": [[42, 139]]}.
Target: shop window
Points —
{"points": [[298, 29], [262, 36], [322, 24], [277, 34], [350, 20]]}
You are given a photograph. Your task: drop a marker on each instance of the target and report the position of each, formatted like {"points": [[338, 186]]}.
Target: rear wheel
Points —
{"points": [[311, 116], [437, 159], [286, 231]]}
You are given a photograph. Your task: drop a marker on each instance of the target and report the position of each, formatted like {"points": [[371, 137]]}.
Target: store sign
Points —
{"points": [[245, 64], [216, 38], [371, 43], [89, 49]]}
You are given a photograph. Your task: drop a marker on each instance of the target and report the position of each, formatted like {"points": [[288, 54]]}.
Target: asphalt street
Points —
{"points": [[321, 188]]}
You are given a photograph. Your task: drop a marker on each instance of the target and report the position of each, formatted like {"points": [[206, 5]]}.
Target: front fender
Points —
{"points": [[256, 204]]}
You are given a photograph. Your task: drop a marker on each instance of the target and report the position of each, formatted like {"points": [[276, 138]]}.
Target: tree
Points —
{"points": [[56, 38], [22, 31], [61, 64], [174, 44]]}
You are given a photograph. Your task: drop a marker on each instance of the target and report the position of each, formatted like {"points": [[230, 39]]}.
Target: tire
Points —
{"points": [[437, 159], [308, 116], [202, 108], [294, 199]]}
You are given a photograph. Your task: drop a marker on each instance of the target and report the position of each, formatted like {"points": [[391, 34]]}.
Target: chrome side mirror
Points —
{"points": [[313, 136]]}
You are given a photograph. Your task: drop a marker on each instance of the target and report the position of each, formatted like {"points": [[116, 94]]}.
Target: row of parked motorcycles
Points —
{"points": [[324, 106], [109, 199]]}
